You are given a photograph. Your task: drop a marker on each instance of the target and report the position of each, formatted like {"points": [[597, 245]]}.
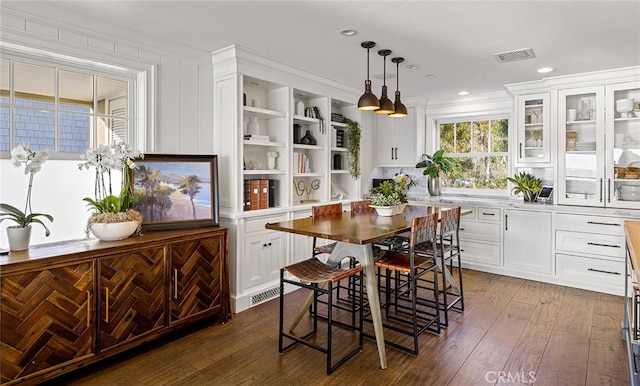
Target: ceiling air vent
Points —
{"points": [[511, 56]]}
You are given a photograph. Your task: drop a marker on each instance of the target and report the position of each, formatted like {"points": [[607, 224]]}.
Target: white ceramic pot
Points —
{"points": [[19, 237], [389, 210], [113, 231]]}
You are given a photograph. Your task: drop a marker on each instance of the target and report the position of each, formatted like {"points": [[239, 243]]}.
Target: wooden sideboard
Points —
{"points": [[67, 304]]}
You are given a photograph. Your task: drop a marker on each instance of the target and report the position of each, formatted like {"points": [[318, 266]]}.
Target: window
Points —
{"points": [[481, 149], [66, 107]]}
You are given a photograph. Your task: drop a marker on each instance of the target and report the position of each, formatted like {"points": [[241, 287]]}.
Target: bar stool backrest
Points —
{"points": [[423, 229], [326, 210], [361, 206], [449, 221]]}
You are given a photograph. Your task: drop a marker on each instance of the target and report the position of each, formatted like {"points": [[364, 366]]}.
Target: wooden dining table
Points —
{"points": [[355, 234]]}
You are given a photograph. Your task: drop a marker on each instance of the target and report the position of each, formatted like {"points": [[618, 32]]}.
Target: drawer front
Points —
{"points": [[471, 209], [590, 271], [472, 230], [255, 225], [489, 214], [577, 242], [480, 253], [594, 224]]}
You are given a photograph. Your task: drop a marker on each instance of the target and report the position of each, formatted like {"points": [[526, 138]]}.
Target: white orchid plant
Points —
{"points": [[22, 155], [108, 207]]}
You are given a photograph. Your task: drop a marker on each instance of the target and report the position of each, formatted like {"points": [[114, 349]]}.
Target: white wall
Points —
{"points": [[180, 116]]}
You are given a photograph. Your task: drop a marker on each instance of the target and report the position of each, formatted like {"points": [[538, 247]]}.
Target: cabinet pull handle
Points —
{"points": [[506, 222], [175, 283], [488, 214], [602, 223], [608, 189], [88, 309], [601, 186], [602, 271], [520, 152], [603, 245], [106, 296], [461, 229], [391, 153], [269, 244]]}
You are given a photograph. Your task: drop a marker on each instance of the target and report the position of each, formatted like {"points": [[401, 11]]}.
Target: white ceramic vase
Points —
{"points": [[387, 211], [19, 237], [113, 231]]}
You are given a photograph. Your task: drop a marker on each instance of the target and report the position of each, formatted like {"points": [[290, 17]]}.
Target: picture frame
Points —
{"points": [[176, 191]]}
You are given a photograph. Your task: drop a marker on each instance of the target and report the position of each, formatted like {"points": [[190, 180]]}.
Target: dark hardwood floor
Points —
{"points": [[513, 331]]}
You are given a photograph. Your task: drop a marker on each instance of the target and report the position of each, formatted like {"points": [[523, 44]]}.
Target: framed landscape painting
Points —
{"points": [[176, 191]]}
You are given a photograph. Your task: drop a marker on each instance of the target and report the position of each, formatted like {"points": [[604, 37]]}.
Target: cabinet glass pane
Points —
{"points": [[626, 145]]}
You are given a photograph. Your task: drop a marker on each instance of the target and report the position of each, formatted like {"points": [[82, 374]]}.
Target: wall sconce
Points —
{"points": [[400, 110], [386, 106], [368, 101]]}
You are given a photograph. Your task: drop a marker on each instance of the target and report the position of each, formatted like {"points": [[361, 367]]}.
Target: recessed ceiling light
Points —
{"points": [[430, 76], [348, 32], [463, 93], [544, 70], [413, 66]]}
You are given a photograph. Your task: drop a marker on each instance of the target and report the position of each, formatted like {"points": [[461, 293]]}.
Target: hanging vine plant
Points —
{"points": [[353, 147]]}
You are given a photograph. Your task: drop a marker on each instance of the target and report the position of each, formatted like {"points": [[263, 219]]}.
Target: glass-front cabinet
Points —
{"points": [[533, 128], [623, 144], [599, 146]]}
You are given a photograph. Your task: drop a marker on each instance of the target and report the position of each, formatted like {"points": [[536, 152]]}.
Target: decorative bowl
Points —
{"points": [[389, 210], [624, 107], [629, 195]]}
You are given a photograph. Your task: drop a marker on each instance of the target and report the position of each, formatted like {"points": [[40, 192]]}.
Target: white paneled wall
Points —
{"points": [[180, 117]]}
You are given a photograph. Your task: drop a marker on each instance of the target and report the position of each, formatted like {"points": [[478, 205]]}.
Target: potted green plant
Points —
{"points": [[20, 234], [390, 197], [353, 146], [527, 184], [435, 165], [114, 217]]}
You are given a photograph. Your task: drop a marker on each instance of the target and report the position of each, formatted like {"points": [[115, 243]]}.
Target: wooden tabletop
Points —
{"points": [[632, 231], [361, 228]]}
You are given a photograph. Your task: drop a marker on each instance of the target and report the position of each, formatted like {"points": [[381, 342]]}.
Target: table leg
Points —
{"points": [[364, 254]]}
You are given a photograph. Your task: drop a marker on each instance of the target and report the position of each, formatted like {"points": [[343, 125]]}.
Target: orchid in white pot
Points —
{"points": [[22, 155], [108, 207]]}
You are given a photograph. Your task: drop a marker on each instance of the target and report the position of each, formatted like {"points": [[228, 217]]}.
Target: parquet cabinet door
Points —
{"points": [[196, 277], [132, 295], [46, 319]]}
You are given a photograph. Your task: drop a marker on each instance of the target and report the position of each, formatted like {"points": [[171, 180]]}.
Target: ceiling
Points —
{"points": [[454, 40]]}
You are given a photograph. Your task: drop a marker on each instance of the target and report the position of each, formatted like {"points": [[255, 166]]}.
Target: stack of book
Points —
{"points": [[259, 194], [256, 138], [300, 163]]}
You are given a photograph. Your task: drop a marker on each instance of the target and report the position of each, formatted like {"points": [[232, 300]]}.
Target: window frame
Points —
{"points": [[436, 121], [140, 99]]}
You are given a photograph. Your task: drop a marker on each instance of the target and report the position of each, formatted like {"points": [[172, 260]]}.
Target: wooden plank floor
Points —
{"points": [[528, 332]]}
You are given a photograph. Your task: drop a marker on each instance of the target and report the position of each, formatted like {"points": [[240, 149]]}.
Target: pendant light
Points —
{"points": [[400, 110], [386, 106], [368, 101]]}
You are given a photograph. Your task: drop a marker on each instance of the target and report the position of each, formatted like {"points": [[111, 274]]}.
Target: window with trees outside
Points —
{"points": [[66, 107], [481, 149]]}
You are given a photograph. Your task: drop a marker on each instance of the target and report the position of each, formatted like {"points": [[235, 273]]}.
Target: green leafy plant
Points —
{"points": [[32, 161], [353, 134], [391, 192], [527, 184], [436, 164]]}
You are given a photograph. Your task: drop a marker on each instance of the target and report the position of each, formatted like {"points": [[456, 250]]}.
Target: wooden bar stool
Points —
{"points": [[447, 250], [315, 275], [401, 290]]}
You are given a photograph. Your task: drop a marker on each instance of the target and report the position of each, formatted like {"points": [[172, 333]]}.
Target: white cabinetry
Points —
{"points": [[400, 141], [527, 241], [249, 86], [590, 251], [533, 131], [597, 146], [480, 237]]}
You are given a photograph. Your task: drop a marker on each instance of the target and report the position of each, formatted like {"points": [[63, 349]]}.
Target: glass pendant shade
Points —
{"points": [[386, 106], [368, 101], [399, 109]]}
